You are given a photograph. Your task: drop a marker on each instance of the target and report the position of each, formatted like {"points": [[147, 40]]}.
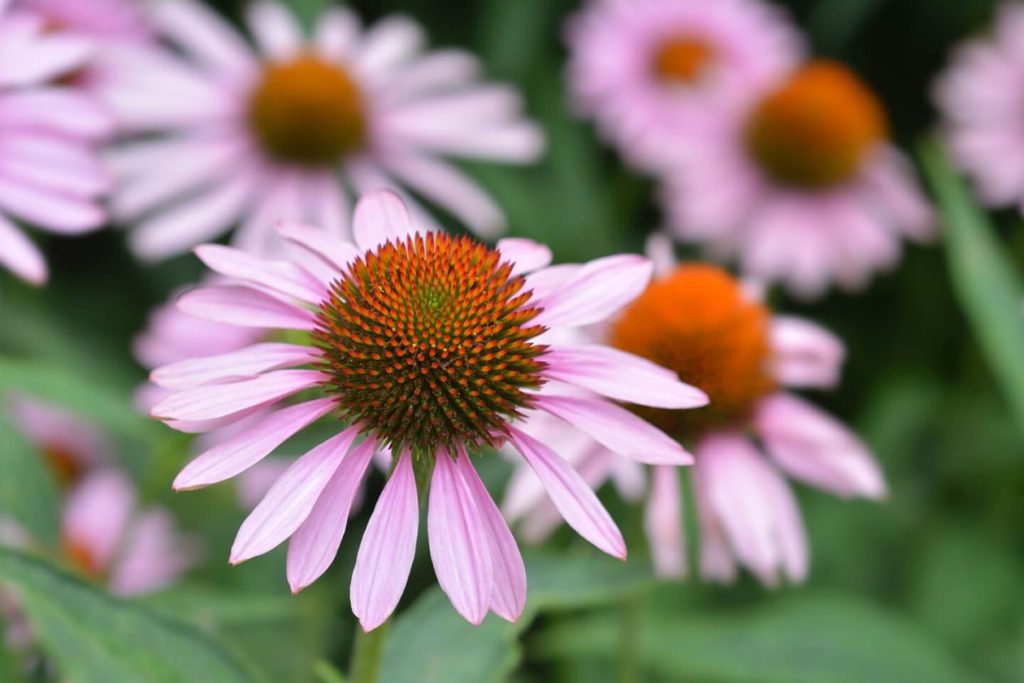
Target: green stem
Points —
{"points": [[366, 655], [630, 625]]}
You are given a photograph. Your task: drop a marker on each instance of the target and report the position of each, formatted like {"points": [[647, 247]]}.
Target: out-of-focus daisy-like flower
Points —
{"points": [[983, 103], [698, 321], [70, 446], [652, 72], [430, 347], [255, 136], [803, 185], [49, 174]]}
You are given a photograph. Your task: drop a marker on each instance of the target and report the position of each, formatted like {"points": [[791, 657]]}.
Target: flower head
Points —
{"points": [[698, 321], [982, 102], [428, 347], [286, 130], [656, 72], [802, 184], [70, 446], [49, 173]]}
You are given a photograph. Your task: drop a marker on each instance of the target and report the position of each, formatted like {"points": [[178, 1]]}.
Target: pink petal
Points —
{"points": [[570, 494], [249, 362], [292, 497], [617, 429], [380, 216], [815, 448], [223, 400], [61, 110], [663, 523], [459, 544], [154, 555], [18, 253], [97, 512], [205, 36], [806, 354], [244, 450], [55, 212], [275, 29], [508, 593], [315, 543], [279, 276], [525, 254], [244, 307], [320, 243], [386, 553], [596, 292], [621, 376]]}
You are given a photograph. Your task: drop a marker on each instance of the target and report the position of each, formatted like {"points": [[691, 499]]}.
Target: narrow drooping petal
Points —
{"points": [[279, 276], [244, 450], [508, 594], [249, 362], [806, 355], [380, 216], [596, 291], [526, 255], [386, 552], [291, 499], [621, 376], [617, 429], [319, 243], [459, 543], [570, 494], [313, 546], [663, 522], [817, 449], [244, 307], [224, 400]]}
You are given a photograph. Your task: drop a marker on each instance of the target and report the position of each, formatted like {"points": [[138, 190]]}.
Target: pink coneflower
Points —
{"points": [[699, 322], [652, 72], [108, 539], [70, 446], [255, 136], [983, 103], [49, 175], [431, 347], [803, 185]]}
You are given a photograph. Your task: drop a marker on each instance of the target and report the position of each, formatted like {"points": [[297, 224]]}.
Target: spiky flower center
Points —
{"points": [[429, 343], [698, 323], [815, 130], [62, 463], [307, 111], [82, 559], [682, 60]]}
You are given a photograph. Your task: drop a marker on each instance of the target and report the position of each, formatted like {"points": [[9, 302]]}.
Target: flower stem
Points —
{"points": [[366, 655], [630, 625]]}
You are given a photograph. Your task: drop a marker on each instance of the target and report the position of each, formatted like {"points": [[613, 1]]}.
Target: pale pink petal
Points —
{"points": [[41, 59], [96, 514], [275, 29], [246, 363], [386, 552], [596, 291], [223, 400], [525, 255], [20, 255], [380, 216], [244, 307], [292, 497], [337, 31], [459, 544], [332, 251], [508, 596], [617, 429], [61, 110], [663, 523], [816, 448], [205, 36], [387, 44], [243, 450], [805, 354], [621, 376], [570, 494], [55, 212], [154, 555], [314, 545], [279, 276]]}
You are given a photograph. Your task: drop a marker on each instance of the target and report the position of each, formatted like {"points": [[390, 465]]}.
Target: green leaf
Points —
{"points": [[819, 639], [985, 281], [94, 638], [430, 643], [27, 492], [89, 397]]}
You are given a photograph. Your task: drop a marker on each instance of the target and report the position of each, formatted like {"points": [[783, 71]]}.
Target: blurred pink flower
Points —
{"points": [[254, 137], [657, 72], [982, 99], [803, 185], [71, 446], [105, 21], [698, 321], [441, 360], [49, 174]]}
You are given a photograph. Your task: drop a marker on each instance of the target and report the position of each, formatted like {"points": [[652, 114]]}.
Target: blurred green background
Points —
{"points": [[927, 587]]}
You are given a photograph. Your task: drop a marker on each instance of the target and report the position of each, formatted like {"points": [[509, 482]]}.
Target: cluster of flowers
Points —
{"points": [[428, 350]]}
